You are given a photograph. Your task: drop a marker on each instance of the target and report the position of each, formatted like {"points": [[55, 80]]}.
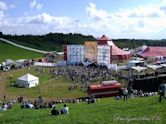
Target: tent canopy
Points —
{"points": [[28, 77], [116, 50], [139, 69], [163, 65], [27, 80], [152, 51], [154, 67]]}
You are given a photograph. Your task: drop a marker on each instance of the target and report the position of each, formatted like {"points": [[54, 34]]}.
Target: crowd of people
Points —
{"points": [[6, 105], [126, 93], [84, 74]]}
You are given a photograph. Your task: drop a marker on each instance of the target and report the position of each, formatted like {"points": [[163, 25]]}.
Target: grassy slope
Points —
{"points": [[49, 86], [106, 111], [11, 52]]}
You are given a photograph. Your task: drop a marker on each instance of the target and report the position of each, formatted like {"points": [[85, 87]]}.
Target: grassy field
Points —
{"points": [[50, 87], [106, 111], [11, 52]]}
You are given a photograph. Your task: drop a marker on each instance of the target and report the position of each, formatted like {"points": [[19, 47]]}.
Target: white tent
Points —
{"points": [[163, 65], [139, 69], [154, 67], [27, 81]]}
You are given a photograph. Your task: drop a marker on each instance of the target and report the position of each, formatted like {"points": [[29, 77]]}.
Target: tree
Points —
{"points": [[1, 34]]}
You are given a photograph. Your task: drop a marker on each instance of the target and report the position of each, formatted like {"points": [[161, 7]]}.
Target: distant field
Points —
{"points": [[106, 111], [50, 87], [11, 52]]}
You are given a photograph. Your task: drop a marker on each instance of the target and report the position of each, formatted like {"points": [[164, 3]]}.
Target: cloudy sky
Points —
{"points": [[116, 18]]}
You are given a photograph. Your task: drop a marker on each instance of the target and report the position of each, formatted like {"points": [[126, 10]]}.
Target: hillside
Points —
{"points": [[145, 110], [11, 52], [49, 87], [49, 42]]}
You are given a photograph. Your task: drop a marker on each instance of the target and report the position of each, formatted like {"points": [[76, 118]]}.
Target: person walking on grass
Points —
{"points": [[162, 91], [125, 93]]}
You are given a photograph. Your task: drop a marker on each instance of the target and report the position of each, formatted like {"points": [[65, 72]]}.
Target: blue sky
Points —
{"points": [[116, 18]]}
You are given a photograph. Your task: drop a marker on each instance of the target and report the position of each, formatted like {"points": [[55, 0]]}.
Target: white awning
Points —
{"points": [[163, 65], [154, 67], [139, 69]]}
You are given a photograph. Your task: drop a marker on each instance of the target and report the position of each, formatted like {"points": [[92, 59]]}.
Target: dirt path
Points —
{"points": [[2, 85]]}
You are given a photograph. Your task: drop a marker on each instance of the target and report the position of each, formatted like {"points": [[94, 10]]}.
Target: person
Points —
{"points": [[162, 91], [54, 111], [125, 92], [65, 109]]}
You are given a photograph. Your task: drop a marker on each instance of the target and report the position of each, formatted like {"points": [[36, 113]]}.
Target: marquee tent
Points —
{"points": [[27, 81], [152, 51], [139, 69], [117, 53], [154, 67]]}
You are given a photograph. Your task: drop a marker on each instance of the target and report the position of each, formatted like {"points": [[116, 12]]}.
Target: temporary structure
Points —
{"points": [[74, 54], [139, 69], [117, 53], [153, 51], [154, 67], [27, 81], [134, 63]]}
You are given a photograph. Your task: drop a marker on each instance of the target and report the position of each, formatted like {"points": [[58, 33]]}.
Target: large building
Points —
{"points": [[101, 52]]}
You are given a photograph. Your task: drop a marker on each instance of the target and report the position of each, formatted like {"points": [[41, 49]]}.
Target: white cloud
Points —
{"points": [[39, 6], [93, 13], [3, 6], [33, 3], [12, 6], [141, 22], [41, 24], [36, 5]]}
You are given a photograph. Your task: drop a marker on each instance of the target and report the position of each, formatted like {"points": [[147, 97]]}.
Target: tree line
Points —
{"points": [[56, 41]]}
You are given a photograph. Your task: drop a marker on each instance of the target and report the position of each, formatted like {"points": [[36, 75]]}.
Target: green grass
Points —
{"points": [[49, 87], [11, 52], [106, 111]]}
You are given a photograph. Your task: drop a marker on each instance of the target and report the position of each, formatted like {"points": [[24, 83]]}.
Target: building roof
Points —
{"points": [[153, 51], [102, 87]]}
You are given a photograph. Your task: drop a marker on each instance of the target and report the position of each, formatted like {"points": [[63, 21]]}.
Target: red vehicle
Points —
{"points": [[106, 88]]}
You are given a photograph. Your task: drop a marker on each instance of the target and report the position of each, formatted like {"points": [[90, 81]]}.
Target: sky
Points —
{"points": [[138, 19]]}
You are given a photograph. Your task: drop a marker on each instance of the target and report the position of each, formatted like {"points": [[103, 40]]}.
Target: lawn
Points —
{"points": [[11, 52], [106, 111], [49, 86]]}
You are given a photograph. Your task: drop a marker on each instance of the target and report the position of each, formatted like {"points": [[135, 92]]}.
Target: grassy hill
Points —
{"points": [[106, 111], [49, 86], [11, 52]]}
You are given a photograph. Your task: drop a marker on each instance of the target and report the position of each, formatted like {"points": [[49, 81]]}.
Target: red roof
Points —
{"points": [[116, 50], [104, 38], [100, 86], [153, 51]]}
